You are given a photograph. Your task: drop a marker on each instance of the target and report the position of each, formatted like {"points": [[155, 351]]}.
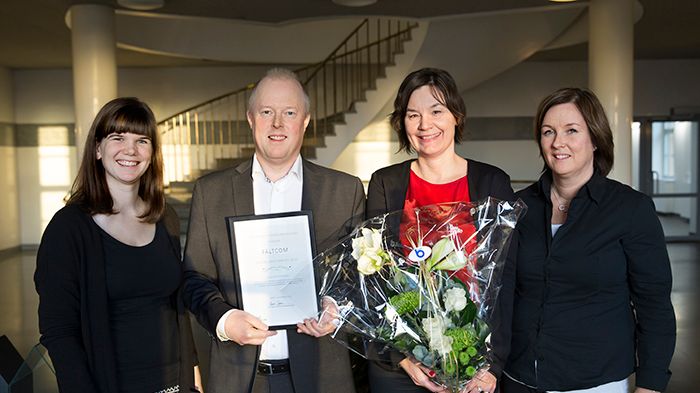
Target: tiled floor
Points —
{"points": [[18, 317]]}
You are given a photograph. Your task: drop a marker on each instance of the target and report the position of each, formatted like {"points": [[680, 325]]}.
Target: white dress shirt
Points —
{"points": [[281, 196]]}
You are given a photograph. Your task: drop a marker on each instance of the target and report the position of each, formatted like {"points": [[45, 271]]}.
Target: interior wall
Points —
{"points": [[170, 90], [515, 94], [43, 103], [659, 86], [518, 91], [43, 96], [44, 121], [46, 96], [9, 218], [6, 100]]}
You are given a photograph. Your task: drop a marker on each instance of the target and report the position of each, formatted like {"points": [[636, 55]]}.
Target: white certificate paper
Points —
{"points": [[273, 264]]}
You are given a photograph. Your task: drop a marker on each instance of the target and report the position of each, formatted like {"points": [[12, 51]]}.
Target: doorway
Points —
{"points": [[665, 167]]}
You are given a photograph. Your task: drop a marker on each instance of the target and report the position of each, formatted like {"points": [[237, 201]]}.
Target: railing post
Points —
{"points": [[167, 162], [368, 66], [315, 106], [346, 79], [196, 137], [379, 45], [358, 75], [230, 136], [206, 143], [180, 153], [222, 132], [388, 42], [335, 89], [238, 124], [325, 101]]}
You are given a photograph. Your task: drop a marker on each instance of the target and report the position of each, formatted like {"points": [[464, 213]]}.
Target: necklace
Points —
{"points": [[563, 207]]}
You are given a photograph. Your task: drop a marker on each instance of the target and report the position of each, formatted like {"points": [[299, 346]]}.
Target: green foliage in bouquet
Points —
{"points": [[405, 302], [436, 321], [428, 289]]}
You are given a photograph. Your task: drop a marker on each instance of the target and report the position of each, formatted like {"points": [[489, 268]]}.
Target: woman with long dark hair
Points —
{"points": [[108, 268]]}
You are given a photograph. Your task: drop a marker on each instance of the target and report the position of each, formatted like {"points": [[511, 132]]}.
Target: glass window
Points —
{"points": [[668, 143]]}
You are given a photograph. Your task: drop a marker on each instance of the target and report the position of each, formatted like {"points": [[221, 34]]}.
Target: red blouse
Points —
{"points": [[422, 193]]}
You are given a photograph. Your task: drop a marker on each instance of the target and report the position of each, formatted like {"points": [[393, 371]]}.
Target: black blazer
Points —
{"points": [[387, 193], [592, 303], [73, 304]]}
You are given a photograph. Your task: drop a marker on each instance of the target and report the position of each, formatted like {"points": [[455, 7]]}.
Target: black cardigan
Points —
{"points": [[592, 303], [387, 193], [73, 304]]}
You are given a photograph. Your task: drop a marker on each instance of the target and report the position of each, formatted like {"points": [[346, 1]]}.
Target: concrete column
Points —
{"points": [[94, 64], [611, 73]]}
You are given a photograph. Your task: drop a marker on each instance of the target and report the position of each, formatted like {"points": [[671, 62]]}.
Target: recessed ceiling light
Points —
{"points": [[354, 3], [562, 1], [141, 5]]}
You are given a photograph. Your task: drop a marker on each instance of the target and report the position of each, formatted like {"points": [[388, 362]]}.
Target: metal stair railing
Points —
{"points": [[215, 133]]}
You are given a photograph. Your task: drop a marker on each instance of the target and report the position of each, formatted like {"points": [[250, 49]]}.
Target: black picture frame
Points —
{"points": [[231, 228]]}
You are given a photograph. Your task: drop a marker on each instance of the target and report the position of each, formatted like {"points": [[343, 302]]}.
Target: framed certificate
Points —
{"points": [[273, 266]]}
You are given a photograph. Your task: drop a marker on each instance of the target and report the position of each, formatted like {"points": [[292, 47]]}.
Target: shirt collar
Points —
{"points": [[593, 189], [259, 174]]}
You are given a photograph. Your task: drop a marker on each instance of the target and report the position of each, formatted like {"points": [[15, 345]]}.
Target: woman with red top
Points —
{"points": [[429, 119]]}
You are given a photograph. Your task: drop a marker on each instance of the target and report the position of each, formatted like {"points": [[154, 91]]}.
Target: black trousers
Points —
{"points": [[507, 385], [273, 383], [383, 380]]}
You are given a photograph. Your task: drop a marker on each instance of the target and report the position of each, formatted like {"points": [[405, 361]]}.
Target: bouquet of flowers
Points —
{"points": [[423, 283]]}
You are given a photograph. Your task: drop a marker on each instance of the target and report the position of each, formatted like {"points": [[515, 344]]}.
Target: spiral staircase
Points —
{"points": [[349, 86]]}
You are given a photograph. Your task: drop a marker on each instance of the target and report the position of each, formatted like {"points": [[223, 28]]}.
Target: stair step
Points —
{"points": [[180, 202], [308, 152], [223, 163], [177, 187]]}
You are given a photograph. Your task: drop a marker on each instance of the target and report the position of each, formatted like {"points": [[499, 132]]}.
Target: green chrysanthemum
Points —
{"points": [[405, 302], [461, 338], [464, 358]]}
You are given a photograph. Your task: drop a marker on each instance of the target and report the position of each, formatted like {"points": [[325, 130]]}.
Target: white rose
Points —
{"points": [[442, 344], [366, 250], [376, 239], [357, 248], [435, 327], [369, 264], [455, 299]]}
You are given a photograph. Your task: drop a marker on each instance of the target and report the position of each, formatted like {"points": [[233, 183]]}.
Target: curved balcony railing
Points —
{"points": [[215, 133]]}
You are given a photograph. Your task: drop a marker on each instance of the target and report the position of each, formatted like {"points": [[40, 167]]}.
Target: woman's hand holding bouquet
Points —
{"points": [[424, 286]]}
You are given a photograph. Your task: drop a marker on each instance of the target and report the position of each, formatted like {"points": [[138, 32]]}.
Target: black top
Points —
{"points": [[577, 294], [387, 193], [143, 319], [73, 304]]}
